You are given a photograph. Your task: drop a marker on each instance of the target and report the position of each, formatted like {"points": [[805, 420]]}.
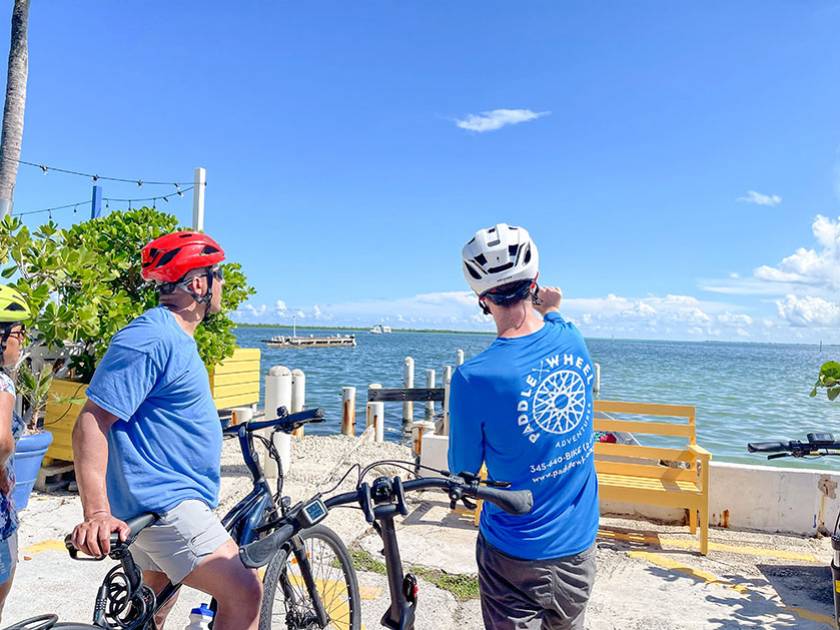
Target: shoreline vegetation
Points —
{"points": [[367, 329], [364, 329]]}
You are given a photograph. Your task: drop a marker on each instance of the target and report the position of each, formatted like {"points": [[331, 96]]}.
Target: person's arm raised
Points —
{"points": [[90, 452]]}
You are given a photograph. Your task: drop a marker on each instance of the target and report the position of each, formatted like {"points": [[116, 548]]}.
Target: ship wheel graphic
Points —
{"points": [[560, 402]]}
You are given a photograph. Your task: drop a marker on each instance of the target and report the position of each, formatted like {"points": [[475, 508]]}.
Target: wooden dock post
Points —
{"points": [[298, 396], [348, 413], [430, 383], [376, 419], [408, 406], [596, 387], [459, 357], [278, 392], [418, 430], [368, 420]]}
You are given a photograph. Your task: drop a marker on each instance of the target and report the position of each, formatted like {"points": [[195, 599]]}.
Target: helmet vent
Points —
{"points": [[512, 249], [14, 306], [480, 259], [500, 268], [527, 255], [472, 272], [208, 249], [167, 257]]}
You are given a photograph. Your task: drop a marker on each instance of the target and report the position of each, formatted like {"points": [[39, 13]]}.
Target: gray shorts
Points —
{"points": [[533, 594], [179, 541]]}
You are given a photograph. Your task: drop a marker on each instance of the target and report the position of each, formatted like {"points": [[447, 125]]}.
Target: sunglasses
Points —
{"points": [[217, 273], [20, 335]]}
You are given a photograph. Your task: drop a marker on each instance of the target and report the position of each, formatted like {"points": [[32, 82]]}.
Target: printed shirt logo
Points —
{"points": [[560, 402], [555, 399]]}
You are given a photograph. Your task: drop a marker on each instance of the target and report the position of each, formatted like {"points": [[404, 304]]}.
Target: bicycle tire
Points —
{"points": [[335, 579]]}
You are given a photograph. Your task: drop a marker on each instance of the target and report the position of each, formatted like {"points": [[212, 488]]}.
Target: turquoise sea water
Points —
{"points": [[743, 391]]}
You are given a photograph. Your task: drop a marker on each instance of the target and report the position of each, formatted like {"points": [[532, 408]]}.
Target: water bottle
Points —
{"points": [[200, 618]]}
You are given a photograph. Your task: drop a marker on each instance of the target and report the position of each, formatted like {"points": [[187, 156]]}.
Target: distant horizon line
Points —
{"points": [[493, 333]]}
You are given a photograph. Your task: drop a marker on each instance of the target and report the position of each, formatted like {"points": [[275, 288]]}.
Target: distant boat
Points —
{"points": [[380, 329], [386, 329], [285, 341]]}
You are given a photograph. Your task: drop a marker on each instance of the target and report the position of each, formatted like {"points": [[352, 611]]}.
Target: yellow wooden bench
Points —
{"points": [[638, 474], [668, 477]]}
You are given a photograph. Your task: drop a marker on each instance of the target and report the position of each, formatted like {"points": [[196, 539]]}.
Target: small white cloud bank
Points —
{"points": [[760, 199], [497, 118]]}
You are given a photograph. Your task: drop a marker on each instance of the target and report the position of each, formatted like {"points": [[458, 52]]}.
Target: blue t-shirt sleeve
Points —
{"points": [[466, 436], [554, 317], [123, 380]]}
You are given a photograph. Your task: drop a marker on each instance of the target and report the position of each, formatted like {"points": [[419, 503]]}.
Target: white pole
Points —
{"points": [[430, 383], [278, 392], [596, 388], [459, 357], [368, 418], [199, 185], [376, 413], [408, 406], [447, 382], [348, 414], [298, 396], [418, 430], [241, 415]]}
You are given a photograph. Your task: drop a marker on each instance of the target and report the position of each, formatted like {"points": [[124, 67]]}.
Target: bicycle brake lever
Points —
{"points": [[399, 495], [366, 502], [467, 503]]}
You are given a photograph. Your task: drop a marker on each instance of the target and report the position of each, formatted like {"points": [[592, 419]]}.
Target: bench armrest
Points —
{"points": [[700, 452]]}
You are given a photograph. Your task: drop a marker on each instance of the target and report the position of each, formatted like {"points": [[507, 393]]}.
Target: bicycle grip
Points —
{"points": [[260, 552], [767, 447], [511, 501]]}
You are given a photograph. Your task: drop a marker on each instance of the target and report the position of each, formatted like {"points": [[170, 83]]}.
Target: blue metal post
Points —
{"points": [[96, 202]]}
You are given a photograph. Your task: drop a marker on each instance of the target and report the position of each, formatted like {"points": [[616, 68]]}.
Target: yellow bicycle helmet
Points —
{"points": [[13, 308]]}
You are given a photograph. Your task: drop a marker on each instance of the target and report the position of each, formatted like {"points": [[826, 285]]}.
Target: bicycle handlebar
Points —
{"points": [[817, 444], [767, 447], [260, 552], [285, 422], [135, 526]]}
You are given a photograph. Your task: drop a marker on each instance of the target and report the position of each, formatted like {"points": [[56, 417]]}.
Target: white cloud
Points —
{"points": [[760, 199], [735, 319], [807, 271], [497, 118], [255, 311], [280, 307], [809, 311], [316, 312]]}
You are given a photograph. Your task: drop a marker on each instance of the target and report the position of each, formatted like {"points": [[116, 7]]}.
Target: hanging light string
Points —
{"points": [[107, 200], [139, 181]]}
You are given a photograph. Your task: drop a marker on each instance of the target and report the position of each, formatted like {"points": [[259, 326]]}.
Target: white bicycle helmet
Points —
{"points": [[500, 255]]}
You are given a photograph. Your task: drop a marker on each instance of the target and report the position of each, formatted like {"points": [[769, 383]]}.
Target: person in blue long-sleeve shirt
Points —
{"points": [[523, 408]]}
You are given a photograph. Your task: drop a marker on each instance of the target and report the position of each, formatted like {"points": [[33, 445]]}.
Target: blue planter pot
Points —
{"points": [[29, 454]]}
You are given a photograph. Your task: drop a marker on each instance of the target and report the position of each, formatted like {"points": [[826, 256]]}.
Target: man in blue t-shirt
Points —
{"points": [[523, 407], [149, 439]]}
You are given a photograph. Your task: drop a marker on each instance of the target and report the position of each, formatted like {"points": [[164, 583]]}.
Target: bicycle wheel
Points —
{"points": [[286, 601]]}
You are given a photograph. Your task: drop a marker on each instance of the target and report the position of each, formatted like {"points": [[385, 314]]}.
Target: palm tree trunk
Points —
{"points": [[12, 134]]}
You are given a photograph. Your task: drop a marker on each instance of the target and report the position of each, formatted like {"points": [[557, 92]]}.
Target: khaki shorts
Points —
{"points": [[179, 541]]}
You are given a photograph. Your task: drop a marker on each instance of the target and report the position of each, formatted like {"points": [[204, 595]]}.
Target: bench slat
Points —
{"points": [[639, 426], [643, 452], [645, 409], [654, 485], [647, 471]]}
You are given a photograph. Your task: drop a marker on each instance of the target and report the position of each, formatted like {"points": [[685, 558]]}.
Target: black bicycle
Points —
{"points": [[816, 445], [311, 585], [381, 501]]}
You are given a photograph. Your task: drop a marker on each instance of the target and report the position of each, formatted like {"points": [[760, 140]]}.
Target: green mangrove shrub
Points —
{"points": [[84, 284]]}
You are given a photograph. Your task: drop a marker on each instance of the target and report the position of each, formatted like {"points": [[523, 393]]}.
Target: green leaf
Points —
{"points": [[833, 393]]}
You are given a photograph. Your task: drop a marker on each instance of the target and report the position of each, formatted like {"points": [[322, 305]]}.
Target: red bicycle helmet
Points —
{"points": [[169, 257]]}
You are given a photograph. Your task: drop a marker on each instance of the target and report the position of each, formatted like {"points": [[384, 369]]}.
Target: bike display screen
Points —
{"points": [[314, 512]]}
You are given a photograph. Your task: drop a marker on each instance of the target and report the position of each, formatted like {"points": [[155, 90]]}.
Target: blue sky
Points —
{"points": [[678, 165]]}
